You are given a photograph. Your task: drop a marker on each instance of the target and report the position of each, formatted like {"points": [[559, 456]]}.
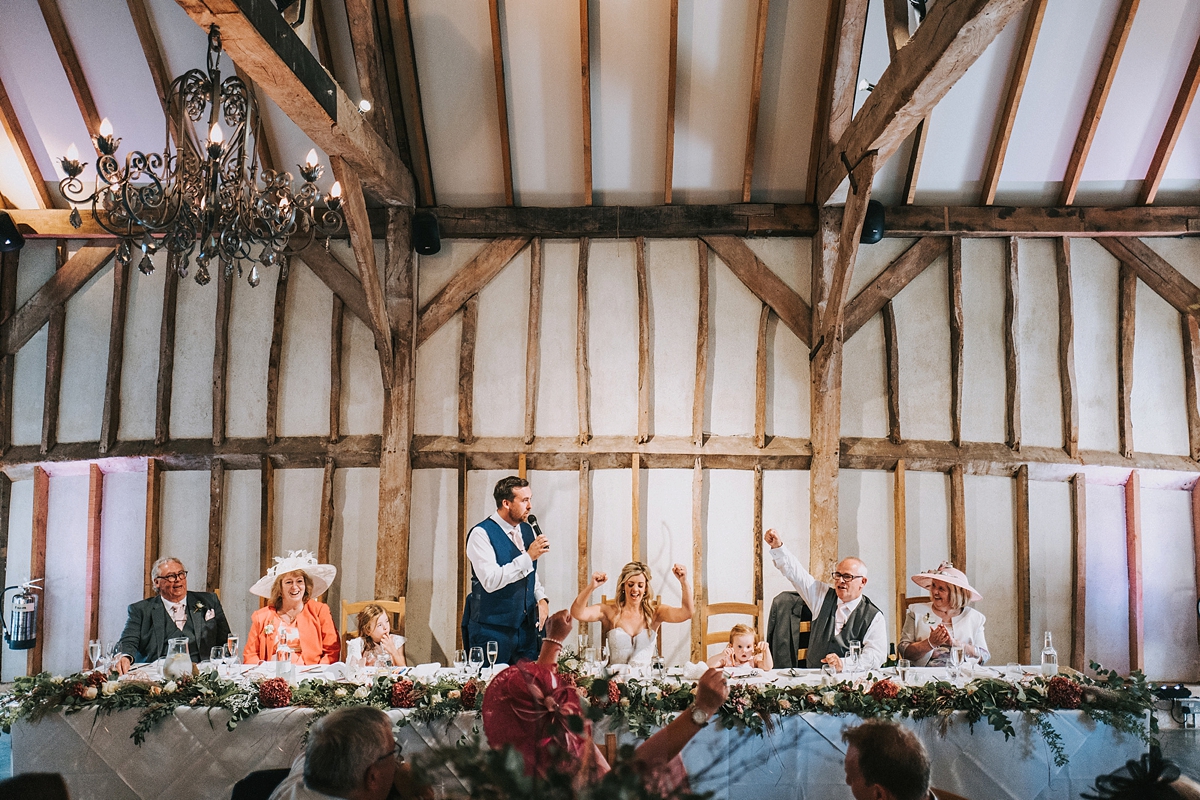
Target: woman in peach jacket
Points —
{"points": [[293, 624]]}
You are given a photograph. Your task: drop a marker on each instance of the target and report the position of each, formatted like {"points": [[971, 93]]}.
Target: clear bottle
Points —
{"points": [[1049, 658]]}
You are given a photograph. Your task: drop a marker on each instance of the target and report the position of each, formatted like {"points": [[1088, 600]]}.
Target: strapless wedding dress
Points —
{"points": [[636, 650]]}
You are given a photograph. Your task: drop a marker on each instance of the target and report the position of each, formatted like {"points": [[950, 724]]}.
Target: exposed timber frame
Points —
{"points": [[9, 263], [585, 78], [501, 100], [1133, 548], [1170, 134], [26, 160], [760, 46], [956, 340], [1066, 348], [672, 80], [110, 420], [275, 359], [845, 28]]}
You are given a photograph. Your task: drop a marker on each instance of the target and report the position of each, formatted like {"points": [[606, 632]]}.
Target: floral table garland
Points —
{"points": [[1119, 702]]}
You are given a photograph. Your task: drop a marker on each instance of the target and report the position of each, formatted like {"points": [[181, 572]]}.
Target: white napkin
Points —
{"points": [[694, 670], [425, 671], [337, 671]]}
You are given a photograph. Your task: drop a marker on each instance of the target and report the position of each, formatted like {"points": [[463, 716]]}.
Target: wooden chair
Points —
{"points": [[605, 627], [394, 608], [905, 602], [709, 638]]}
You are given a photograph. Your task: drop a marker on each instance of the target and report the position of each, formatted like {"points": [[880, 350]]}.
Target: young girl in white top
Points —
{"points": [[375, 638], [743, 651]]}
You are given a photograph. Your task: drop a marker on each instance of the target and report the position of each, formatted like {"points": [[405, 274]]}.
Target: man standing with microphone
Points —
{"points": [[507, 603]]}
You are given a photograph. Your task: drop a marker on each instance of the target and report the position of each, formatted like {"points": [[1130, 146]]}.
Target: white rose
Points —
{"points": [[339, 692], [110, 687], [170, 686], [90, 693], [571, 664], [57, 679], [361, 692], [829, 698]]}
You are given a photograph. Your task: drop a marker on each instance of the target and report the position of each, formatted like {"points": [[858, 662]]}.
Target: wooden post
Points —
{"points": [[266, 516], [5, 510], [153, 521], [110, 421], [636, 527], [37, 562], [900, 557], [1012, 350], [275, 360], [698, 581], [325, 526], [216, 524], [335, 371], [466, 371], [585, 495], [533, 339], [501, 101], [8, 306], [1191, 380], [221, 357], [1066, 347], [583, 393], [55, 339], [672, 72], [757, 536], [760, 379], [958, 518], [1079, 570], [521, 460], [585, 66], [464, 566], [92, 573], [1126, 314], [891, 352], [1133, 548], [699, 397], [1196, 539], [1021, 496], [166, 358], [956, 340], [644, 367]]}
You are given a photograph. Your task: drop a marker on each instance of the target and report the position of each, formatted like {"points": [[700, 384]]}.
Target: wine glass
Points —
{"points": [[233, 644], [902, 667], [970, 656], [229, 655], [95, 648], [216, 657], [460, 661], [493, 650], [475, 659], [956, 660], [853, 654]]}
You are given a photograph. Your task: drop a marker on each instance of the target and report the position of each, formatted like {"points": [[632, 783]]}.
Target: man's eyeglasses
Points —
{"points": [[174, 576], [838, 577], [393, 753]]}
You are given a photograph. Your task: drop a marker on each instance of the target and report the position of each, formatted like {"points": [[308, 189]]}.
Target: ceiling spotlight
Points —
{"points": [[364, 105], [10, 238], [865, 86]]}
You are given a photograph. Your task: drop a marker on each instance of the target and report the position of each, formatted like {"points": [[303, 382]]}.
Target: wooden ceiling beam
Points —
{"points": [[70, 278], [1012, 101], [16, 134], [887, 284], [1099, 96], [844, 30], [760, 46], [585, 74], [258, 40], [340, 280], [1170, 135], [365, 39], [152, 50], [70, 62], [409, 88], [501, 101], [672, 79], [946, 44], [467, 282], [898, 36], [1155, 272], [765, 284]]}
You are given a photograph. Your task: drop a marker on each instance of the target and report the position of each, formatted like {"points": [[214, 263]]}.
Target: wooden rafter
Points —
{"points": [[844, 30], [340, 280], [110, 421], [585, 77], [1012, 348], [672, 79], [1012, 101], [1170, 135], [166, 358], [915, 156], [152, 50], [952, 36], [501, 100], [956, 340], [306, 94], [760, 46], [765, 284], [54, 293], [275, 357], [1066, 348], [12, 127], [368, 54], [887, 284], [1156, 272], [1099, 96], [70, 63], [409, 105], [470, 280]]}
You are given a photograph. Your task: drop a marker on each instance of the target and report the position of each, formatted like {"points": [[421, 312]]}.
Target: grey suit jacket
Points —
{"points": [[149, 627]]}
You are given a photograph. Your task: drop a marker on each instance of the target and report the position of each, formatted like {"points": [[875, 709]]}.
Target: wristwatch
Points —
{"points": [[698, 716]]}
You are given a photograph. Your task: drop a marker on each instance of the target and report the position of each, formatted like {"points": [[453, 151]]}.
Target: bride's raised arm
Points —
{"points": [[580, 609]]}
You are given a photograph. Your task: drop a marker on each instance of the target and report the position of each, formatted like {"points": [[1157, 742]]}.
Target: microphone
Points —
{"points": [[533, 523]]}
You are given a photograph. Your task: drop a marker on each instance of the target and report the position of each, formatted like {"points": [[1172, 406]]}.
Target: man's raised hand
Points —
{"points": [[711, 691], [559, 624], [772, 538]]}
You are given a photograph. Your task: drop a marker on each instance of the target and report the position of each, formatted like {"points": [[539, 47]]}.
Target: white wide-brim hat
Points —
{"points": [[947, 574], [321, 575]]}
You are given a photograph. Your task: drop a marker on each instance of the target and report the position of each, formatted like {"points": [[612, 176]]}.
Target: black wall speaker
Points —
{"points": [[872, 230], [10, 238], [426, 239]]}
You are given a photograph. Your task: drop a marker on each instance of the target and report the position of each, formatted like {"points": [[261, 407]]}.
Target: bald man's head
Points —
{"points": [[849, 578]]}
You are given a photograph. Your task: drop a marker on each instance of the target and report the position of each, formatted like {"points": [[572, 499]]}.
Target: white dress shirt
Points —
{"points": [[177, 611], [492, 576], [813, 591]]}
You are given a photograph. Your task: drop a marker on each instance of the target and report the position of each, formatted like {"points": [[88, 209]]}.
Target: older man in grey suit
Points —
{"points": [[172, 613]]}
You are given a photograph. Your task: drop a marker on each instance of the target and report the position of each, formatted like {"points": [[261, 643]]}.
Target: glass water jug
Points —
{"points": [[178, 661]]}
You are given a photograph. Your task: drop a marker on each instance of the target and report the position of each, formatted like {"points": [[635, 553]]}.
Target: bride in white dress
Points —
{"points": [[634, 621]]}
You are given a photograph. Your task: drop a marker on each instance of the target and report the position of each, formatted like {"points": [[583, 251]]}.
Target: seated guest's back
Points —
{"points": [[42, 785], [350, 754], [885, 761], [1150, 778]]}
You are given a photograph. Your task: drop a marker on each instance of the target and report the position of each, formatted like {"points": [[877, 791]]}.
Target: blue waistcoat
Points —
{"points": [[509, 605]]}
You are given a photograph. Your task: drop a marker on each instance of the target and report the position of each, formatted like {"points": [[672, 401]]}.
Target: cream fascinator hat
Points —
{"points": [[947, 574], [321, 575]]}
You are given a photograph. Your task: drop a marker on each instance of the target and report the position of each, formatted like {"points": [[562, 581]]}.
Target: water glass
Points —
{"points": [[584, 640], [493, 650], [475, 659], [1013, 671], [853, 654], [94, 650], [460, 661], [970, 656], [827, 673], [956, 660], [589, 659], [902, 666], [229, 655]]}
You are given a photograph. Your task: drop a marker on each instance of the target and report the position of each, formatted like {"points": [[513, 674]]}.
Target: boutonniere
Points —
{"points": [[269, 629], [196, 609]]}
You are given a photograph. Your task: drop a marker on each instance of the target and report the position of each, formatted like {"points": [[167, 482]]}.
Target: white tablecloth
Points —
{"points": [[192, 755]]}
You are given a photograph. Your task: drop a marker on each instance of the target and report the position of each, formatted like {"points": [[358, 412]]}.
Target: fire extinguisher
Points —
{"points": [[21, 632]]}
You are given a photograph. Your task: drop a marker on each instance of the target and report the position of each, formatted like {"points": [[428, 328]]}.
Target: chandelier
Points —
{"points": [[206, 198]]}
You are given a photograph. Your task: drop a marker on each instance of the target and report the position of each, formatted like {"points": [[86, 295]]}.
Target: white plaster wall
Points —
{"points": [[556, 505], [1037, 304], [991, 559], [297, 509], [436, 270], [785, 508], [1050, 559], [732, 351], [251, 319], [673, 280], [864, 382], [923, 339], [355, 536], [85, 360], [122, 563], [1169, 585], [29, 390], [304, 364], [666, 541], [240, 547], [435, 408], [1094, 290], [499, 408], [610, 539], [1158, 408], [1107, 580], [66, 556], [185, 497], [139, 370], [432, 603], [613, 337], [191, 386], [557, 392], [16, 570], [927, 524], [362, 382], [872, 260], [728, 542], [866, 530], [983, 340], [37, 264]]}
